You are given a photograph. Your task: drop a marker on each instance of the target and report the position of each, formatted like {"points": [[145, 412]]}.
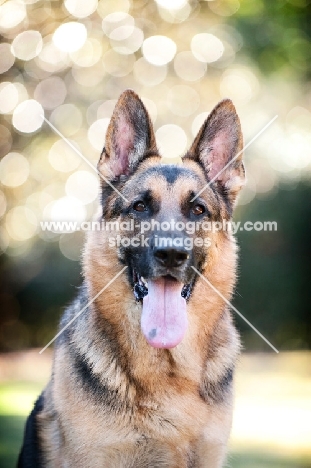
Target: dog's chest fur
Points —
{"points": [[125, 423], [162, 427]]}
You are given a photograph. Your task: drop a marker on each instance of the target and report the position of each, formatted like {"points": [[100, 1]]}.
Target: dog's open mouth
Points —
{"points": [[164, 315], [141, 287]]}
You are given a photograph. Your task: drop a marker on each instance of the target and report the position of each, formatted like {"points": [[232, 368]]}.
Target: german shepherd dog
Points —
{"points": [[143, 377]]}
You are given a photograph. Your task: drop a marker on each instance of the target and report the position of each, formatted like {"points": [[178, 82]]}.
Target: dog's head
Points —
{"points": [[162, 209]]}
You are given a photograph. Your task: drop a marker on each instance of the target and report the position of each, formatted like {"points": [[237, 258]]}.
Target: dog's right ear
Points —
{"points": [[129, 137]]}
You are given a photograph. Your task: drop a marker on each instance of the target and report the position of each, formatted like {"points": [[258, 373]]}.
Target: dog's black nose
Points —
{"points": [[171, 257]]}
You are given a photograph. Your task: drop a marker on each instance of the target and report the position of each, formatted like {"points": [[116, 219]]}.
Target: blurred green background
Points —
{"points": [[69, 61]]}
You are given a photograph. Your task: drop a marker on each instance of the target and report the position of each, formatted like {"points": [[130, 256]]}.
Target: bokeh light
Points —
{"points": [[96, 133], [21, 223], [126, 40], [37, 202], [88, 77], [148, 74], [298, 120], [118, 65], [7, 58], [22, 91], [12, 13], [159, 50], [105, 8], [172, 4], [27, 45], [4, 240], [113, 23], [28, 116], [188, 68], [104, 109], [62, 157], [239, 83], [172, 141], [99, 109], [89, 54], [67, 119], [151, 108], [207, 47], [70, 37], [65, 209], [14, 169], [198, 122], [224, 7], [83, 185], [81, 8], [175, 15], [183, 100], [8, 97], [51, 93], [5, 140], [3, 203], [51, 59], [71, 244]]}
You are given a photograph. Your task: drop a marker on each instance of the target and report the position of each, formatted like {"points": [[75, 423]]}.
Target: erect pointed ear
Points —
{"points": [[218, 148], [129, 137]]}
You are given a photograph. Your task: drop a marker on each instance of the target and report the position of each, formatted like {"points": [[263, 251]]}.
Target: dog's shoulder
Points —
{"points": [[31, 455]]}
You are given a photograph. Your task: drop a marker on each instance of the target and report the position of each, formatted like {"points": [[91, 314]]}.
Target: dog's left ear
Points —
{"points": [[218, 148], [129, 137]]}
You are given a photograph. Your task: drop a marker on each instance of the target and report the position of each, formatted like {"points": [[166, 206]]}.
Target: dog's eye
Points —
{"points": [[139, 206], [198, 210]]}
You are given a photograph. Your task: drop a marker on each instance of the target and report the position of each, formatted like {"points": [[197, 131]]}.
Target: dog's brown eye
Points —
{"points": [[198, 209], [139, 206]]}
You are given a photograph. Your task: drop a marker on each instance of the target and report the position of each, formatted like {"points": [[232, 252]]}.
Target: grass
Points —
{"points": [[263, 383], [264, 460], [11, 434], [16, 401]]}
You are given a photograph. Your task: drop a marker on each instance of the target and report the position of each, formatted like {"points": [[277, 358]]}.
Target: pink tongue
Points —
{"points": [[164, 315]]}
